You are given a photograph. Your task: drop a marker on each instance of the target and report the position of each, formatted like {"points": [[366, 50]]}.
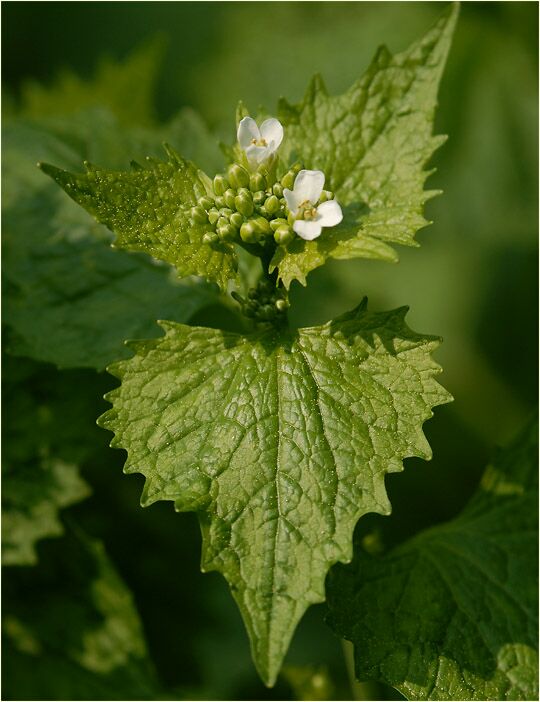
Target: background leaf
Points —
{"points": [[71, 299], [452, 614]]}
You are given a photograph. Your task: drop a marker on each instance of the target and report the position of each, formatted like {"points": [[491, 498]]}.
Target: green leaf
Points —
{"points": [[280, 441], [42, 451], [372, 143], [81, 637], [31, 500], [149, 208], [125, 87], [73, 301], [452, 614]]}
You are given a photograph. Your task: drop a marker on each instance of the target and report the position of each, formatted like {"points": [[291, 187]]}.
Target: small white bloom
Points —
{"points": [[302, 203], [259, 144]]}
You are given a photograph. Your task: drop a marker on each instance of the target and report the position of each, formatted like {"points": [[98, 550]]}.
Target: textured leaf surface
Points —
{"points": [[453, 613], [148, 209], [71, 300], [81, 638], [281, 442], [372, 143]]}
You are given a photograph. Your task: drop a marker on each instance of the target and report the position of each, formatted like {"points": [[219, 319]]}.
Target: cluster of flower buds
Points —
{"points": [[247, 208], [264, 303]]}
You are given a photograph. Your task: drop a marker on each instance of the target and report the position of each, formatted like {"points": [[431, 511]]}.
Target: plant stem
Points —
{"points": [[360, 690]]}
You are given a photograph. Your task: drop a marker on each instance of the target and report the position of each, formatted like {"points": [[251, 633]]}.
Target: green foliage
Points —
{"points": [[280, 441], [81, 638], [372, 143], [42, 452], [452, 614], [126, 88], [73, 301], [149, 209]]}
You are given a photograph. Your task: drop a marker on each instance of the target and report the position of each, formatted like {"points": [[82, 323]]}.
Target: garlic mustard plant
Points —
{"points": [[280, 438]]}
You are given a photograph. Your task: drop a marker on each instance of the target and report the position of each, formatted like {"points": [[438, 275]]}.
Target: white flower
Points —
{"points": [[302, 203], [259, 144]]}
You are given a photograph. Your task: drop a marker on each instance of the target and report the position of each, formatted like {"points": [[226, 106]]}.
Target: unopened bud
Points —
{"points": [[283, 235], [277, 189], [205, 202], [198, 214], [229, 196], [244, 204], [210, 238], [249, 233], [213, 216], [236, 220], [268, 312], [282, 305], [326, 195], [222, 222], [296, 167], [288, 179], [226, 232], [259, 197], [257, 182], [220, 184], [271, 204], [225, 212], [262, 224], [238, 176], [220, 201], [290, 218], [276, 223]]}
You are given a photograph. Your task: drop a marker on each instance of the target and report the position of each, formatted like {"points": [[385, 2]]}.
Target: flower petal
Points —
{"points": [[247, 130], [308, 186], [291, 199], [256, 154], [272, 132], [307, 230], [329, 213]]}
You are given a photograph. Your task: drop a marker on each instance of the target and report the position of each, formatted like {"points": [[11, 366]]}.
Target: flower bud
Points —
{"points": [[236, 220], [267, 312], [290, 218], [326, 195], [220, 184], [198, 214], [229, 196], [225, 212], [205, 202], [282, 305], [283, 235], [220, 201], [226, 232], [210, 238], [213, 216], [244, 192], [222, 222], [288, 180], [257, 182], [259, 197], [296, 168], [238, 176], [249, 233], [276, 223], [277, 189], [262, 225], [271, 204], [244, 204]]}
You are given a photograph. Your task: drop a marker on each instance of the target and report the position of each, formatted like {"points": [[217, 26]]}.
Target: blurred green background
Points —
{"points": [[473, 281]]}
